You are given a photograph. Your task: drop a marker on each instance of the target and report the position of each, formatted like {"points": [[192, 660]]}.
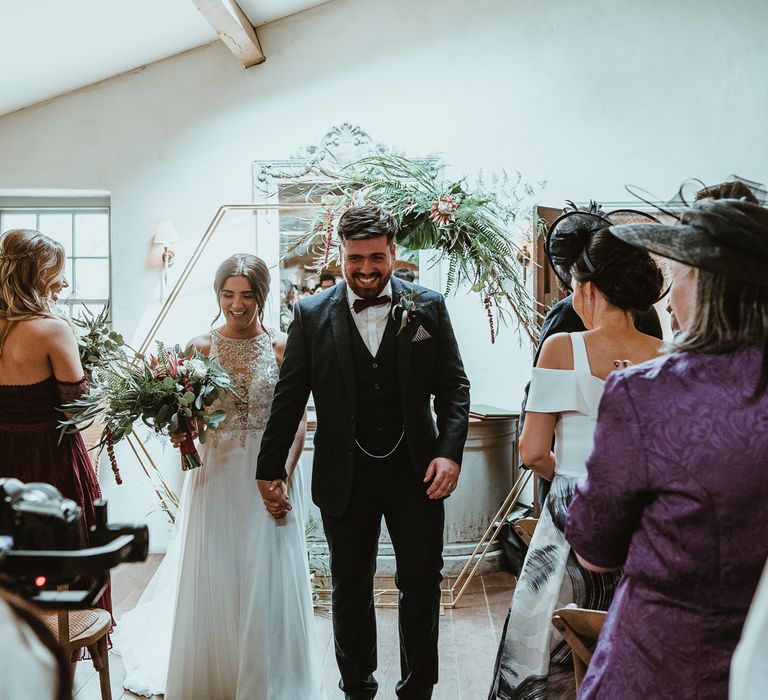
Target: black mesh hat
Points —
{"points": [[725, 236], [569, 234]]}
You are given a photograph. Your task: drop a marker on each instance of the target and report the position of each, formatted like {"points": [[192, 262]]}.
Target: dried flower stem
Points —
{"points": [[488, 303], [112, 459]]}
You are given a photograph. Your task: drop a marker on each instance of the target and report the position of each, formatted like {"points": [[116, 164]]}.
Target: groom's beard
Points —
{"points": [[366, 292]]}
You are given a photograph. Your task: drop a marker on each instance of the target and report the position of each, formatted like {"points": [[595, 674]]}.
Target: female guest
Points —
{"points": [[566, 238], [611, 281], [677, 486], [231, 561], [39, 371]]}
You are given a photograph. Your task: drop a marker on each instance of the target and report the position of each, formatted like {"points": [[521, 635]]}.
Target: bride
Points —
{"points": [[237, 578]]}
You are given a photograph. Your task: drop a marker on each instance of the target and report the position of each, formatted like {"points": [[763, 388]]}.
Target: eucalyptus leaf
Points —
{"points": [[214, 419]]}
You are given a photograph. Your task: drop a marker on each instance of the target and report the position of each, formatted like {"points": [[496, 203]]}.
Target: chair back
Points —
{"points": [[524, 527], [580, 628]]}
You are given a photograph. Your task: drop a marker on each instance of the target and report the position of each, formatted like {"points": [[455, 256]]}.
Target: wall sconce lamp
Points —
{"points": [[167, 236]]}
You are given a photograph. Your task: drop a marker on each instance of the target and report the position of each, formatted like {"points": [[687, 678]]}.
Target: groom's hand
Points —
{"points": [[444, 475], [275, 497]]}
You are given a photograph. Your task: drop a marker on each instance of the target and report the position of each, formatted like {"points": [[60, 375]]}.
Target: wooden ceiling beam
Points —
{"points": [[234, 29]]}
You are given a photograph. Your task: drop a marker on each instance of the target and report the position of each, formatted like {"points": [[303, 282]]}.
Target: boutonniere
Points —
{"points": [[407, 306]]}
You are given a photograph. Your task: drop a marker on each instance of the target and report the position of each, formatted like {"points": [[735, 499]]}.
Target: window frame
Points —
{"points": [[73, 209]]}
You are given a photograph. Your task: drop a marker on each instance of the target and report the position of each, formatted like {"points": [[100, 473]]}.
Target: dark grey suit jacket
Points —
{"points": [[318, 358]]}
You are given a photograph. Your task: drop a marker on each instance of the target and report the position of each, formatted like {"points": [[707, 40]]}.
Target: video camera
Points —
{"points": [[42, 546]]}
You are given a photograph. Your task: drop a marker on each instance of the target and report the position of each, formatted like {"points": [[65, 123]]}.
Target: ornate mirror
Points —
{"points": [[293, 181]]}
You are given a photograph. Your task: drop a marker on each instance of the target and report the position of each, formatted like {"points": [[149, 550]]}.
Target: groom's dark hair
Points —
{"points": [[369, 221]]}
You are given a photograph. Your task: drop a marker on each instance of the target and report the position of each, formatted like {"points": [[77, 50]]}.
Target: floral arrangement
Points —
{"points": [[171, 392], [472, 227]]}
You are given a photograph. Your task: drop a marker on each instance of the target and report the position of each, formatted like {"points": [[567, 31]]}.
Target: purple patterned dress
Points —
{"points": [[677, 494]]}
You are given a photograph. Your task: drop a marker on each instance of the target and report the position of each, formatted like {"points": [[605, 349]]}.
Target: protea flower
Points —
{"points": [[442, 210]]}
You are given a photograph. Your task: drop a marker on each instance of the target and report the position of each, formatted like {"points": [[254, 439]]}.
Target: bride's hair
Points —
{"points": [[29, 264], [254, 269]]}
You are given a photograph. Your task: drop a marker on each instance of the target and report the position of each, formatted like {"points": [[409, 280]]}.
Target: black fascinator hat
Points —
{"points": [[568, 236], [728, 237]]}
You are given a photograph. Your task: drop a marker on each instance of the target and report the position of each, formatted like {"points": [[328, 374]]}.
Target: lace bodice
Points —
{"points": [[252, 366]]}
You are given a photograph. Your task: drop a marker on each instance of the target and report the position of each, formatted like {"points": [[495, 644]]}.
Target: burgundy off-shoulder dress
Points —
{"points": [[30, 449]]}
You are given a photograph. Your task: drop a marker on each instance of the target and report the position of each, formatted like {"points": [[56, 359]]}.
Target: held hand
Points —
{"points": [[444, 475], [275, 497]]}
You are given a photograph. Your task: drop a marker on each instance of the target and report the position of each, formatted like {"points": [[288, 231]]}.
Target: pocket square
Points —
{"points": [[421, 334]]}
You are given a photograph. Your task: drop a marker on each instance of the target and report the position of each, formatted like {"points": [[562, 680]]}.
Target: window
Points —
{"points": [[84, 233]]}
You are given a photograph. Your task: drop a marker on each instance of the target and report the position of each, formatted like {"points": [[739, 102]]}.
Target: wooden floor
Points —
{"points": [[469, 637]]}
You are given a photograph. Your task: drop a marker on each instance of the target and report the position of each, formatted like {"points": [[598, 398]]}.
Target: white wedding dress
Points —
{"points": [[238, 580]]}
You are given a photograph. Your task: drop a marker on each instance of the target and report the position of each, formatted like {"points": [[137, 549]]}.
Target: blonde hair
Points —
{"points": [[29, 264], [254, 269]]}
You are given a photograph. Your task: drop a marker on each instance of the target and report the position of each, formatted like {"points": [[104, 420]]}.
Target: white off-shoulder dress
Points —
{"points": [[533, 660]]}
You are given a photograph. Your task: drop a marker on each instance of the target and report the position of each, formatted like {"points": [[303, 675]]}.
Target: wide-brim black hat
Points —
{"points": [[727, 237]]}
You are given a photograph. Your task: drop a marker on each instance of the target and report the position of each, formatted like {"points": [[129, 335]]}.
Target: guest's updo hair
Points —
{"points": [[628, 277], [727, 190], [254, 269]]}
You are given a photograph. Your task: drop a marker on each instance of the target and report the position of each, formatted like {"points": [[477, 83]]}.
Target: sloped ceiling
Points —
{"points": [[50, 47]]}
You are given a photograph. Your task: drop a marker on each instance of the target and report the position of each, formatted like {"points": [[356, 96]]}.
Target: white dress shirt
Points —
{"points": [[371, 322]]}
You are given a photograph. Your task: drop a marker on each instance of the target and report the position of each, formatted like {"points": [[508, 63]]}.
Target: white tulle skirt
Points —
{"points": [[239, 584]]}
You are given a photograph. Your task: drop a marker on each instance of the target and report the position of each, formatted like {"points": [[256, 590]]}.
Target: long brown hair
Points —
{"points": [[254, 269], [29, 264], [729, 314]]}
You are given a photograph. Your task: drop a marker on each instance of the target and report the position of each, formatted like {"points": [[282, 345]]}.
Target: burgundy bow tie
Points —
{"points": [[359, 304]]}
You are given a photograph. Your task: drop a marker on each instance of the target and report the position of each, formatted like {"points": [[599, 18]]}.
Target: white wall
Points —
{"points": [[588, 95]]}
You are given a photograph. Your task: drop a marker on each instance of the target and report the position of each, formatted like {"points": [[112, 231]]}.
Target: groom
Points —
{"points": [[378, 451]]}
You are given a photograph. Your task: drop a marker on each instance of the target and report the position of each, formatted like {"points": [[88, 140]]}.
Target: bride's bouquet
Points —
{"points": [[171, 392]]}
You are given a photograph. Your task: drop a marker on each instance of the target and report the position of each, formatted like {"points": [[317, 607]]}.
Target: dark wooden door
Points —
{"points": [[545, 289]]}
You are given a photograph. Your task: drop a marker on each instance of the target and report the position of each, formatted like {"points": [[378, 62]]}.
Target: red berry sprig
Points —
{"points": [[488, 303], [112, 460]]}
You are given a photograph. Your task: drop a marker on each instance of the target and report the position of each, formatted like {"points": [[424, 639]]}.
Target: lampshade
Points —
{"points": [[166, 233]]}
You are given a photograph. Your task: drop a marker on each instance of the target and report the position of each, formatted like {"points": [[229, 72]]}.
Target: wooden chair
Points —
{"points": [[524, 527], [580, 628], [78, 629]]}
